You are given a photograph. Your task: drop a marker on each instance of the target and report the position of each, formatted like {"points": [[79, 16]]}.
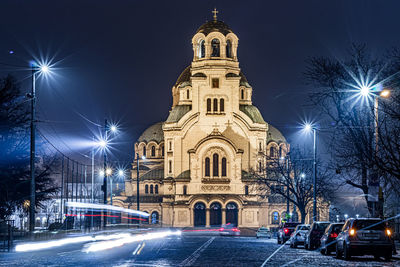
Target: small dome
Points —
{"points": [[184, 77], [275, 135], [153, 133], [214, 26]]}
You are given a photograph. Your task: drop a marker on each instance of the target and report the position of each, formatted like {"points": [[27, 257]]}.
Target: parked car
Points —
{"points": [[229, 229], [313, 237], [364, 236], [328, 240], [285, 230], [299, 235], [263, 232]]}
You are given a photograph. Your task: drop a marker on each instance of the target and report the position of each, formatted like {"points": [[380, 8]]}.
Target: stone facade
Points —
{"points": [[197, 161]]}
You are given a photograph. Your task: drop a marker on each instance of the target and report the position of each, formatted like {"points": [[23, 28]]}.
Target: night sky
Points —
{"points": [[120, 59]]}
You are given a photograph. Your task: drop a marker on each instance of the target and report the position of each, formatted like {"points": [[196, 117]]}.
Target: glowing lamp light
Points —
{"points": [[101, 173], [113, 128], [121, 172], [307, 127], [44, 69], [108, 172], [352, 232], [302, 175], [388, 232], [385, 93], [365, 91], [143, 157], [102, 143]]}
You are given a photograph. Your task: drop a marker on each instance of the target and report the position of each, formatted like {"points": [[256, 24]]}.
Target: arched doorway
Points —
{"points": [[215, 214], [199, 214], [232, 213], [154, 217]]}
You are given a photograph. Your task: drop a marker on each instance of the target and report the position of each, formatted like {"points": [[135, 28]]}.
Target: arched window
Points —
{"points": [[154, 217], [170, 166], [275, 218], [146, 188], [207, 167], [221, 105], [215, 48], [280, 151], [156, 189], [162, 151], [201, 49], [260, 146], [246, 190], [151, 189], [260, 166], [272, 151], [185, 190], [242, 94], [153, 151], [187, 94], [215, 165], [228, 48], [223, 169], [215, 106], [209, 105]]}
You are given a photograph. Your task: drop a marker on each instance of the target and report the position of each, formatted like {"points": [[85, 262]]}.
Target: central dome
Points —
{"points": [[214, 26]]}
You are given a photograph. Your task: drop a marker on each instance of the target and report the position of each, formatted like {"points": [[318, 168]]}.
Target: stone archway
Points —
{"points": [[215, 214], [232, 213], [199, 214]]}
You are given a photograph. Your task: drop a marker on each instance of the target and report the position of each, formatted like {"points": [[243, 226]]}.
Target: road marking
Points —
{"points": [[293, 261], [137, 248], [276, 251], [141, 248], [192, 258]]}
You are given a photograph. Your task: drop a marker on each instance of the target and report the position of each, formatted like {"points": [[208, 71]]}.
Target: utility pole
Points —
{"points": [[137, 182], [104, 170], [315, 176], [32, 154]]}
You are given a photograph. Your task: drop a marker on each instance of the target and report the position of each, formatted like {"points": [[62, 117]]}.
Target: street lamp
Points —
{"points": [[36, 69], [308, 128], [137, 179]]}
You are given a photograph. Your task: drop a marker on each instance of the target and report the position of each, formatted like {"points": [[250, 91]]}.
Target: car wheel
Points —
{"points": [[327, 252], [256, 236], [346, 252], [338, 252], [295, 245], [388, 255], [323, 251], [306, 246]]}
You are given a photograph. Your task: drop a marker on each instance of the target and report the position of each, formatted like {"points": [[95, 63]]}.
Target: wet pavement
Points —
{"points": [[187, 250]]}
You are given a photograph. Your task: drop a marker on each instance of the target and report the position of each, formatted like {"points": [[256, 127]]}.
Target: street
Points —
{"points": [[189, 249]]}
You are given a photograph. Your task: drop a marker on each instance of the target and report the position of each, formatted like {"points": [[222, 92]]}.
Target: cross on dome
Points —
{"points": [[215, 12]]}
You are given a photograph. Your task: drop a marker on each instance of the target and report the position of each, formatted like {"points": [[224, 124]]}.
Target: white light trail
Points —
{"points": [[99, 246], [105, 207]]}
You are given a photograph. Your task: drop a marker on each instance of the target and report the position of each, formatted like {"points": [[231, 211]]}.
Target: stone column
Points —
{"points": [[223, 216], [207, 217]]}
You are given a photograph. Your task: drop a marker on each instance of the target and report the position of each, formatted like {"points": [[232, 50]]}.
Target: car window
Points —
{"points": [[337, 228], [321, 226], [304, 227], [369, 225]]}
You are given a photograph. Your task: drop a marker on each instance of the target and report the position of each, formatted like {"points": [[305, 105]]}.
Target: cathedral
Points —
{"points": [[194, 167]]}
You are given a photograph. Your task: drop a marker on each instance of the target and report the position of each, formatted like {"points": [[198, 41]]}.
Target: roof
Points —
{"points": [[154, 174], [178, 112], [153, 133], [214, 26], [184, 78], [253, 113], [274, 134]]}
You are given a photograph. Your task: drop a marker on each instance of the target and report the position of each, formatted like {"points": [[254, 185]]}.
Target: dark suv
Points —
{"points": [[313, 238], [328, 240], [285, 230], [364, 237]]}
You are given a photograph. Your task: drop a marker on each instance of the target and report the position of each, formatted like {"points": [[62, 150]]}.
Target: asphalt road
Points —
{"points": [[186, 250]]}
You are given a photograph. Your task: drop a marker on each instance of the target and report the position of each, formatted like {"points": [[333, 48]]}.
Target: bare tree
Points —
{"points": [[291, 177]]}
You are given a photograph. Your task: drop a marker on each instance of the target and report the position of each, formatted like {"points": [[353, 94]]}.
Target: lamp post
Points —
{"points": [[35, 70], [308, 128]]}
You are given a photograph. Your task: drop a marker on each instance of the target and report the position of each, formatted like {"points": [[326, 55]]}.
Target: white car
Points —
{"points": [[298, 237], [263, 232]]}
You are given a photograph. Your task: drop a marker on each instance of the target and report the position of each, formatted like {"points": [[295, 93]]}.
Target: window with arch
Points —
{"points": [[275, 217], [242, 94], [215, 48], [272, 151], [215, 165], [151, 189], [146, 189], [170, 166], [156, 189], [201, 49], [221, 105], [144, 151], [153, 151], [154, 217], [260, 146], [215, 105], [207, 167], [185, 190], [209, 105], [162, 151], [260, 166], [223, 167], [228, 49], [280, 151], [246, 190], [187, 94]]}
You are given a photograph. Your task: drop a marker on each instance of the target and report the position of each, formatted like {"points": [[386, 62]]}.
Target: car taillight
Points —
{"points": [[286, 230], [221, 229], [333, 235], [235, 229], [352, 232], [388, 232]]}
